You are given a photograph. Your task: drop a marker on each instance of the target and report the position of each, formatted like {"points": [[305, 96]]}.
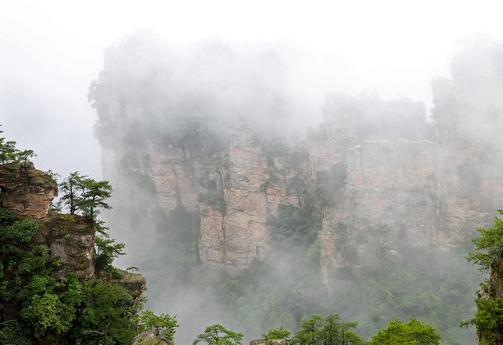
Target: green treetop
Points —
{"points": [[488, 254], [329, 331], [163, 326], [413, 332], [218, 335], [93, 197], [280, 333], [489, 245], [70, 188]]}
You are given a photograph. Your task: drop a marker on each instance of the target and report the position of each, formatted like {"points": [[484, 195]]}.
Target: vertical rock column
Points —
{"points": [[236, 234]]}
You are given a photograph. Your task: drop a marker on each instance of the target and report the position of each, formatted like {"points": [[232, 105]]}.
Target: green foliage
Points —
{"points": [[45, 314], [108, 312], [218, 335], [413, 332], [317, 330], [81, 194], [84, 194], [428, 283], [93, 197], [21, 231], [39, 306], [330, 185], [107, 250], [489, 245], [294, 226], [31, 298], [194, 134], [9, 153], [12, 333], [24, 156], [70, 191], [279, 333], [163, 326], [488, 254], [489, 316], [42, 304]]}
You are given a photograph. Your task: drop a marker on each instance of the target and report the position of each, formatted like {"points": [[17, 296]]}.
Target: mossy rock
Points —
{"points": [[148, 338], [134, 283], [16, 176], [63, 226]]}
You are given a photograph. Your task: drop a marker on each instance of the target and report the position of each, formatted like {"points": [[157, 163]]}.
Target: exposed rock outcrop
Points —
{"points": [[71, 239], [150, 338], [134, 283], [26, 190], [241, 229], [29, 193], [265, 342], [398, 176]]}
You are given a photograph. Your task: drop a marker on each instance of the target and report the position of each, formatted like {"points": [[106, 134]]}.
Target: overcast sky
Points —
{"points": [[51, 50]]}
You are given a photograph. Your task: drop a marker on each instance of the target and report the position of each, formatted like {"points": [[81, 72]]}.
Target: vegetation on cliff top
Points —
{"points": [[488, 254], [40, 303]]}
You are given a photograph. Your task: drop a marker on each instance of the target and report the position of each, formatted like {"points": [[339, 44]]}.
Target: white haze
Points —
{"points": [[51, 50]]}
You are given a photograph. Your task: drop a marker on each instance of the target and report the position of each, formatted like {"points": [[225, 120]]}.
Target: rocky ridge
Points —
{"points": [[29, 192], [388, 173]]}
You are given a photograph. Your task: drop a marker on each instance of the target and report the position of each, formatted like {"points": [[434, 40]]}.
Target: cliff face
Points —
{"points": [[234, 232], [388, 189], [232, 191], [26, 190], [391, 185], [29, 193], [387, 173], [390, 192], [431, 185]]}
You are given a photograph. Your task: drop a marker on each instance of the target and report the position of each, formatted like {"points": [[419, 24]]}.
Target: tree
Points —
{"points": [[107, 314], [45, 314], [309, 331], [413, 332], [8, 150], [162, 326], [336, 332], [93, 197], [329, 331], [488, 254], [280, 333], [44, 302], [84, 194], [107, 250], [218, 335], [70, 188], [489, 245], [24, 155]]}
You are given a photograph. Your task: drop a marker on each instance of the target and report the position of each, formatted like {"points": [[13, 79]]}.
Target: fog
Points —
{"points": [[51, 50], [132, 92]]}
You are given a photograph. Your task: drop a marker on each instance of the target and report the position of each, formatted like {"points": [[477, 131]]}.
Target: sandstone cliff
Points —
{"points": [[70, 238], [26, 190], [387, 173]]}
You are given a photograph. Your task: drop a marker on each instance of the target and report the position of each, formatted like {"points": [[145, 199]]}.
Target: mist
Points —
{"points": [[271, 161], [51, 51]]}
